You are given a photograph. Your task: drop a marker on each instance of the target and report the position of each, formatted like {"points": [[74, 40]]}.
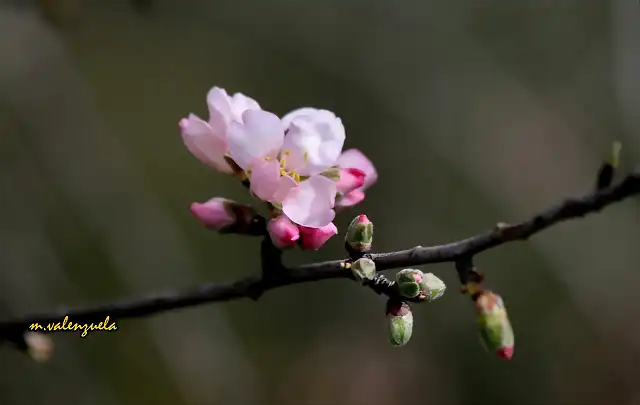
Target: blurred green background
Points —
{"points": [[474, 112]]}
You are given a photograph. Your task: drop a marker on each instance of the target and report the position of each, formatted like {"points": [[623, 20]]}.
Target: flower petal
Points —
{"points": [[259, 136], [300, 112], [204, 143], [350, 179], [265, 179], [241, 103], [315, 238], [284, 187], [310, 204], [353, 158], [314, 140], [219, 105], [351, 199]]}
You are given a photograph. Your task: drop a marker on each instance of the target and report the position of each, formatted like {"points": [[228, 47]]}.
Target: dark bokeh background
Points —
{"points": [[474, 112]]}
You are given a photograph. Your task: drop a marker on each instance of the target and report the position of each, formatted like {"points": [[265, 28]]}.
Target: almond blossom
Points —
{"points": [[208, 140], [357, 173], [287, 170]]}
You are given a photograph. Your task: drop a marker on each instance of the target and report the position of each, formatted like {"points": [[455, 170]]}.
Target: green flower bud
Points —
{"points": [[410, 282], [363, 269], [413, 283], [360, 234], [400, 321], [433, 287], [494, 327]]}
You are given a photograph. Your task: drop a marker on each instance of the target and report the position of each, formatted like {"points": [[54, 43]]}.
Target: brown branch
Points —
{"points": [[253, 286]]}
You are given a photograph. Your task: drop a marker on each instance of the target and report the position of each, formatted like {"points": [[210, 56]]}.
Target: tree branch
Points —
{"points": [[252, 286]]}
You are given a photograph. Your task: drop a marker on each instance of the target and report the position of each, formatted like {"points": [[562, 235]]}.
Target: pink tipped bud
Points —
{"points": [[350, 179], [315, 238], [505, 352], [359, 234], [283, 232], [226, 216], [495, 328], [214, 214]]}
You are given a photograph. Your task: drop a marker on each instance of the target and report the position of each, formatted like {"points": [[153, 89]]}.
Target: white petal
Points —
{"points": [[260, 136], [203, 143], [314, 141], [219, 105], [300, 112], [310, 203], [241, 103], [353, 158]]}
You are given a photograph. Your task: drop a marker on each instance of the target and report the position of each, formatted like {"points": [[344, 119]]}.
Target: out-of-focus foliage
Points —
{"points": [[474, 112]]}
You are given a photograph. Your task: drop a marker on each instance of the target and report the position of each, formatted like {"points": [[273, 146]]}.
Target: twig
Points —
{"points": [[247, 287]]}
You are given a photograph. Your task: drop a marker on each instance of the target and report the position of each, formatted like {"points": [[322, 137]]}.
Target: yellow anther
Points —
{"points": [[306, 157]]}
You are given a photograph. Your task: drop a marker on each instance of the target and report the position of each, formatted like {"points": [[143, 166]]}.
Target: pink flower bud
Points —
{"points": [[315, 238], [350, 179], [215, 214], [283, 232]]}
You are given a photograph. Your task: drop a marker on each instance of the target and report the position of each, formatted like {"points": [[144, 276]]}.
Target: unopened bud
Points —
{"points": [[400, 322], [39, 346], [495, 329], [225, 216], [360, 234], [414, 283], [363, 269], [283, 232], [410, 282], [433, 288]]}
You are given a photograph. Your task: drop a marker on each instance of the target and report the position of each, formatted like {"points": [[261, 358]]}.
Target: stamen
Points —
{"points": [[306, 157]]}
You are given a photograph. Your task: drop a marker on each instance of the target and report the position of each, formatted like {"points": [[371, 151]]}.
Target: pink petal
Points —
{"points": [[351, 199], [265, 179], [353, 158], [310, 204], [259, 136], [283, 232], [203, 143], [213, 213], [350, 179], [314, 140], [315, 238], [284, 187]]}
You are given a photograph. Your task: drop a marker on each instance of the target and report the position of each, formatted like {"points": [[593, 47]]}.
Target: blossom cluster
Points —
{"points": [[295, 164]]}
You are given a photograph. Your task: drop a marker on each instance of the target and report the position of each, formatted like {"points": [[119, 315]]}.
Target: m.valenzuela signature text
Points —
{"points": [[68, 326]]}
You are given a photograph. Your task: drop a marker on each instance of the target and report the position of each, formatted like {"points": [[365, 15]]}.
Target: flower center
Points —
{"points": [[283, 172]]}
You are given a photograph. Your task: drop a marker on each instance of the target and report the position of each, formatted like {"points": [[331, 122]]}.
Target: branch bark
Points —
{"points": [[253, 286]]}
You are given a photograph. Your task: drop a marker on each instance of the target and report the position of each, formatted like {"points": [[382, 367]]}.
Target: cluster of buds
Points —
{"points": [[413, 283], [295, 164]]}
